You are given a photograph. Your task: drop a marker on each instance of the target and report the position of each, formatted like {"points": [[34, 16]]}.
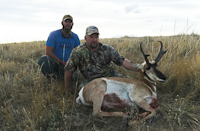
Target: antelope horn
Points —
{"points": [[145, 56], [161, 53]]}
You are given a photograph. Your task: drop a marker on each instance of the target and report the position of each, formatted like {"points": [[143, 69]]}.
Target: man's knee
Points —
{"points": [[42, 60], [83, 83], [75, 75], [46, 64]]}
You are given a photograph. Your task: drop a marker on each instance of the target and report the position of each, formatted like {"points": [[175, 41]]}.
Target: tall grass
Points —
{"points": [[28, 101]]}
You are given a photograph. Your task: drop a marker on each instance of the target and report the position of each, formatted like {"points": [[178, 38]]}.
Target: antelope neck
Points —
{"points": [[149, 82]]}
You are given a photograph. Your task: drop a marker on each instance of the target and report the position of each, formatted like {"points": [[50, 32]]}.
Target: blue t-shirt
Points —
{"points": [[63, 46]]}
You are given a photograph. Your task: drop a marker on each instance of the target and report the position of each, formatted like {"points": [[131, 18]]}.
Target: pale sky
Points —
{"points": [[33, 20]]}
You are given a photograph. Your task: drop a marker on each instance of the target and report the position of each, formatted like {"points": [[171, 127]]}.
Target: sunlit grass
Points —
{"points": [[28, 101]]}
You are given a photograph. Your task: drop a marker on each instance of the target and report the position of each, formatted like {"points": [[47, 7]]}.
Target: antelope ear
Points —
{"points": [[144, 66], [142, 69], [152, 62]]}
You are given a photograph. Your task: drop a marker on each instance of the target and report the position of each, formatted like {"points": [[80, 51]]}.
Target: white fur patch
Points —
{"points": [[121, 89], [154, 93], [148, 100], [80, 98], [117, 87], [154, 77]]}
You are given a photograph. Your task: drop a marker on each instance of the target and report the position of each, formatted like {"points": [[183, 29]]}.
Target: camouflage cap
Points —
{"points": [[67, 17], [91, 30]]}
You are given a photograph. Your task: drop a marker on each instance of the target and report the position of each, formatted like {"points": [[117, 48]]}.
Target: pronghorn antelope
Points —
{"points": [[114, 92]]}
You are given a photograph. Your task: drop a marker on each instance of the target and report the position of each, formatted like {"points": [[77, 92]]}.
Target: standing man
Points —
{"points": [[59, 46], [95, 59]]}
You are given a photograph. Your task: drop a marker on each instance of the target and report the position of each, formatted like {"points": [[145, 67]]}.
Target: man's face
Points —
{"points": [[67, 25], [92, 41]]}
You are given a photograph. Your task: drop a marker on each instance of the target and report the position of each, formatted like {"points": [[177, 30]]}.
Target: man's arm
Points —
{"points": [[49, 52], [67, 78], [130, 66]]}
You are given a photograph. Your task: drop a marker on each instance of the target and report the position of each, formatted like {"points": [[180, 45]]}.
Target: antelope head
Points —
{"points": [[150, 67]]}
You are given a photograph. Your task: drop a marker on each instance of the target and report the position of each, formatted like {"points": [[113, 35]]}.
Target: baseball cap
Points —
{"points": [[91, 30], [67, 17]]}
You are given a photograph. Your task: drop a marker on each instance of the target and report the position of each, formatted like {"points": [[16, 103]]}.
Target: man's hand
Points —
{"points": [[130, 66], [49, 52], [63, 63]]}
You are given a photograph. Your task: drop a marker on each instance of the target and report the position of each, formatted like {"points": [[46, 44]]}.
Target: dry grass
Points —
{"points": [[28, 101]]}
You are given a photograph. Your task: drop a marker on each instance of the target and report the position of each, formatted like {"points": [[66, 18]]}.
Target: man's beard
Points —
{"points": [[94, 45], [66, 30]]}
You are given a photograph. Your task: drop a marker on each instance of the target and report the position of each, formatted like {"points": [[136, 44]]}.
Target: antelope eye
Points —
{"points": [[148, 68]]}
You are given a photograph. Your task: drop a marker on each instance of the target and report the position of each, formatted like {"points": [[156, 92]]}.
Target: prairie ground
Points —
{"points": [[28, 101]]}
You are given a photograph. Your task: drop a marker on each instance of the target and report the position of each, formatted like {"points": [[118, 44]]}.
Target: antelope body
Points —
{"points": [[115, 92]]}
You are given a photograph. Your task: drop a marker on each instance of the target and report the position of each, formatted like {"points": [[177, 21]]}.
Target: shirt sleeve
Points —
{"points": [[51, 40], [116, 57], [72, 62]]}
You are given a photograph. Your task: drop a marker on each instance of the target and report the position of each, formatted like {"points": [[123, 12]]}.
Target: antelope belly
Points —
{"points": [[112, 101], [117, 95]]}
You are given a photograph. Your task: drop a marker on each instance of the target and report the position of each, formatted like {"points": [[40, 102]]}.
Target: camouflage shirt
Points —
{"points": [[94, 64]]}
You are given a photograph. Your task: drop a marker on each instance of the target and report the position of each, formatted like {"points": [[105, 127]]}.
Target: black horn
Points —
{"points": [[145, 56], [161, 53]]}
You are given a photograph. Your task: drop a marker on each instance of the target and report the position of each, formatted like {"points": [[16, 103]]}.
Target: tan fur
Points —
{"points": [[94, 92]]}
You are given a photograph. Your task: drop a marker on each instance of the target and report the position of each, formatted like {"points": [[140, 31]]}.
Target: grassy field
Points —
{"points": [[28, 101]]}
